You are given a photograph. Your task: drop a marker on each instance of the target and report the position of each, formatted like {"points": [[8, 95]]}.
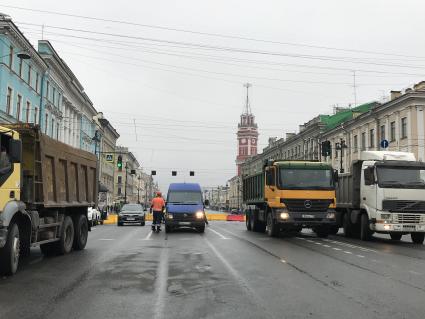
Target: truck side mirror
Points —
{"points": [[369, 176], [206, 202], [335, 176], [15, 150]]}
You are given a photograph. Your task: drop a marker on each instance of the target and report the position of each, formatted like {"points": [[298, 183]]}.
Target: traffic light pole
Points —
{"points": [[125, 186]]}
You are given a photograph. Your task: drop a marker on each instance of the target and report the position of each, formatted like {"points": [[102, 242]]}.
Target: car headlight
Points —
{"points": [[330, 215], [170, 216], [199, 215]]}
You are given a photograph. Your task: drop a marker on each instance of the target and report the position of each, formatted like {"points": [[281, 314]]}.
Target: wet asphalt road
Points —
{"points": [[228, 272]]}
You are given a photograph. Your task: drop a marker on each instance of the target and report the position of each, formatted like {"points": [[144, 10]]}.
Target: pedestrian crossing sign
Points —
{"points": [[110, 158]]}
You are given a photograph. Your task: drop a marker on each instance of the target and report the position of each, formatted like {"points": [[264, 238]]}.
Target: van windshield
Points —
{"points": [[184, 197]]}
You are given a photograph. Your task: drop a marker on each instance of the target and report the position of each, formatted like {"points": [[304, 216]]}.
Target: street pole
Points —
{"points": [[125, 186], [138, 189], [237, 183]]}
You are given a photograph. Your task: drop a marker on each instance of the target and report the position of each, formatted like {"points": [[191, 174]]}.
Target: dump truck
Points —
{"points": [[46, 188], [287, 196], [384, 192]]}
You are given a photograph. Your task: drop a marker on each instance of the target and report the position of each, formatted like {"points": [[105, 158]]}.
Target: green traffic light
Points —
{"points": [[119, 165]]}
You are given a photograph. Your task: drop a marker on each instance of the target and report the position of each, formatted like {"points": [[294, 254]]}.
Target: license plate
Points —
{"points": [[131, 218], [184, 223], [308, 216]]}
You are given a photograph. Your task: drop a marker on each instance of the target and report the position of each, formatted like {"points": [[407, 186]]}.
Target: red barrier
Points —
{"points": [[235, 218]]}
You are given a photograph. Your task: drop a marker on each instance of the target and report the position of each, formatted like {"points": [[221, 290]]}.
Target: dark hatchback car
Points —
{"points": [[131, 214]]}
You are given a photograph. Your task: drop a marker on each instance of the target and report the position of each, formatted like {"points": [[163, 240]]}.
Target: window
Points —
{"points": [[28, 112], [372, 138], [47, 89], [18, 107], [336, 150], [356, 144], [54, 96], [404, 127], [392, 131], [29, 75], [119, 191], [10, 57], [9, 101], [57, 131], [59, 99], [35, 115], [382, 134], [53, 126], [46, 122], [20, 67], [37, 79], [119, 179], [363, 145]]}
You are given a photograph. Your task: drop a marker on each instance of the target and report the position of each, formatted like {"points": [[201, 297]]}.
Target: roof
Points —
{"points": [[303, 164], [184, 187], [332, 121], [386, 156]]}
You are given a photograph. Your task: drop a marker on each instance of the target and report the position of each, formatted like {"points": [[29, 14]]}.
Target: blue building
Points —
{"points": [[27, 92]]}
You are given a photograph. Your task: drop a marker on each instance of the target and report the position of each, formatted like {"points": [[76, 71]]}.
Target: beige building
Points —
{"points": [[400, 121], [235, 192], [126, 177]]}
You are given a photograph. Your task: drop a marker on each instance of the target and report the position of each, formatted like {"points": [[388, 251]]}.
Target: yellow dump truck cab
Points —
{"points": [[45, 189], [289, 196]]}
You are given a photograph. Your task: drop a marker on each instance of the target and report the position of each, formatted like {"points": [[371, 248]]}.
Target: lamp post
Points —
{"points": [[138, 189]]}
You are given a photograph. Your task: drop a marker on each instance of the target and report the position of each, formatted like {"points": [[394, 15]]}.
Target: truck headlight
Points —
{"points": [[199, 215], [170, 216], [386, 216], [284, 215], [330, 215]]}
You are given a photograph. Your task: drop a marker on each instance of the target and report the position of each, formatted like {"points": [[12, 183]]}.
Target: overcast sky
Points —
{"points": [[184, 90]]}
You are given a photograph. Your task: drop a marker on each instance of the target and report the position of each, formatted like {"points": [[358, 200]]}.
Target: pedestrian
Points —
{"points": [[157, 207]]}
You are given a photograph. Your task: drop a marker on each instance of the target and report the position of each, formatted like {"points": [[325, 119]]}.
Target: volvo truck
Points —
{"points": [[287, 196], [383, 193], [46, 188]]}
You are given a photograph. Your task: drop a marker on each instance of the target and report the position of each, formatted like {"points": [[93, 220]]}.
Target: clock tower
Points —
{"points": [[247, 133]]}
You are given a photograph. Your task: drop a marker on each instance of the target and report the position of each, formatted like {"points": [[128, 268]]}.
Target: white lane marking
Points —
{"points": [[415, 272], [264, 238], [105, 239], [283, 260], [310, 241], [336, 248], [348, 252], [317, 243], [221, 235], [327, 246], [148, 236], [360, 256], [161, 284]]}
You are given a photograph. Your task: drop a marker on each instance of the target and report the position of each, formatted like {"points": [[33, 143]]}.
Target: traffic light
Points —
{"points": [[119, 162], [326, 148], [191, 173], [174, 173], [153, 173]]}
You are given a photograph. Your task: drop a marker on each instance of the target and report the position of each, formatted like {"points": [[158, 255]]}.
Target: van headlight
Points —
{"points": [[170, 216], [199, 215], [330, 215]]}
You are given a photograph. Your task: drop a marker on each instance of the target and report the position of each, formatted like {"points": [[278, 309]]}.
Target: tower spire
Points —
{"points": [[247, 104]]}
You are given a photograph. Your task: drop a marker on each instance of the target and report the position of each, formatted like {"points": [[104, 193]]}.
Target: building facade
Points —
{"points": [[125, 177]]}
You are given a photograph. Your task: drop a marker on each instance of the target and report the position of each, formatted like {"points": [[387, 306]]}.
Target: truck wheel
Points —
{"points": [[347, 226], [395, 236], [417, 238], [142, 223], [10, 253], [365, 232], [64, 245], [248, 220], [81, 232], [271, 228]]}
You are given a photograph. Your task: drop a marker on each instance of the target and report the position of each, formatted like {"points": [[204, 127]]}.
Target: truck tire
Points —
{"points": [[65, 243], [417, 238], [272, 229], [395, 236], [347, 225], [81, 232], [248, 220], [10, 253], [333, 230], [365, 232]]}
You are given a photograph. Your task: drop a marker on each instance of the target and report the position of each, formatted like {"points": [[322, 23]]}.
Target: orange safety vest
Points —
{"points": [[157, 204]]}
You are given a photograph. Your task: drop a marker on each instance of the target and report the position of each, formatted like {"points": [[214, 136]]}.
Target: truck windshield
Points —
{"points": [[5, 163], [184, 197], [290, 178], [401, 177]]}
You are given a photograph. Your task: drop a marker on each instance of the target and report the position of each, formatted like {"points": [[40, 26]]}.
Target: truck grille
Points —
{"points": [[408, 218], [404, 206], [306, 205]]}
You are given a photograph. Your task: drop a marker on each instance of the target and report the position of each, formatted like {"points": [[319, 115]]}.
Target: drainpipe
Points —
{"points": [[41, 117]]}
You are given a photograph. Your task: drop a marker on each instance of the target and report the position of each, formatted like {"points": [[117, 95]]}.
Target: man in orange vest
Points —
{"points": [[157, 206]]}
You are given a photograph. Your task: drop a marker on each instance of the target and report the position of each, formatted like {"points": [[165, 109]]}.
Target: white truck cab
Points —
{"points": [[384, 193]]}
